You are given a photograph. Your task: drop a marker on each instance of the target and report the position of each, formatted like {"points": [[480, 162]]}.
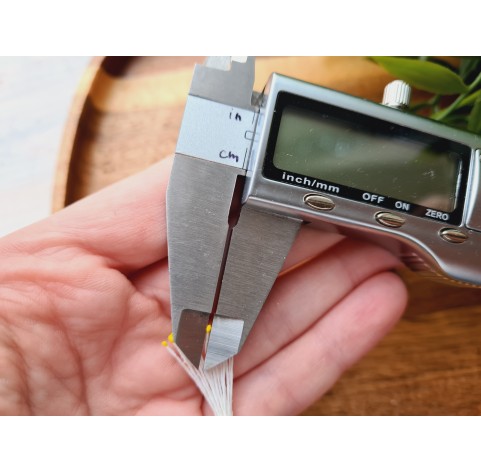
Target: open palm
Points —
{"points": [[84, 306]]}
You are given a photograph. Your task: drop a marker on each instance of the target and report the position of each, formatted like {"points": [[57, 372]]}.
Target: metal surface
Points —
{"points": [[212, 152], [419, 236], [453, 235], [216, 132], [319, 202], [473, 220], [259, 245], [198, 205], [397, 94], [224, 340], [389, 219], [228, 85], [225, 269], [188, 335]]}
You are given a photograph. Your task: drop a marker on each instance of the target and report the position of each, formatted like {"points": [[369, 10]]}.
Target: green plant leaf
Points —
{"points": [[459, 121], [470, 99], [474, 119], [423, 75], [469, 66]]}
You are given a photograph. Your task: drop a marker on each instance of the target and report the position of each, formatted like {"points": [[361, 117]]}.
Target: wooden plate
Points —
{"points": [[126, 115]]}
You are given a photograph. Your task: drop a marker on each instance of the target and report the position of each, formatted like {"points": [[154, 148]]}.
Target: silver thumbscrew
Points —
{"points": [[397, 94]]}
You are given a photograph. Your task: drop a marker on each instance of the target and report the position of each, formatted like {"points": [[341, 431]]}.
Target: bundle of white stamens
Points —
{"points": [[215, 384]]}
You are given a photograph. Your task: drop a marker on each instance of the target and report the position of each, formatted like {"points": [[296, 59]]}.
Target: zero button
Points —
{"points": [[452, 235]]}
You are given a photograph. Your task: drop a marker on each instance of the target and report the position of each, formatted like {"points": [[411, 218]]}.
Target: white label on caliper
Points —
{"points": [[216, 132]]}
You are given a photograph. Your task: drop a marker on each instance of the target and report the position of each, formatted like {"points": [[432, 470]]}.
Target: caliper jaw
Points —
{"points": [[198, 205], [259, 245], [200, 193], [225, 79], [219, 273]]}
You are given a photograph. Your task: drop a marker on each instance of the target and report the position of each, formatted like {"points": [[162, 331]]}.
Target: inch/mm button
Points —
{"points": [[318, 202], [390, 220]]}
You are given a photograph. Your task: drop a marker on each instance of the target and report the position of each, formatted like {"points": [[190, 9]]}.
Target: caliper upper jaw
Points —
{"points": [[225, 79]]}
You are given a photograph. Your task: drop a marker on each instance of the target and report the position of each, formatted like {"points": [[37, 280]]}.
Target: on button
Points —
{"points": [[389, 219]]}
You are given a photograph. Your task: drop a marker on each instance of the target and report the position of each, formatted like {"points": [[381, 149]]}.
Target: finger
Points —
{"points": [[299, 298], [124, 224], [153, 282], [309, 243], [304, 370]]}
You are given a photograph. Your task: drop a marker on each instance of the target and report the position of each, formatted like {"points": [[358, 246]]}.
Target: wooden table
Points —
{"points": [[126, 116]]}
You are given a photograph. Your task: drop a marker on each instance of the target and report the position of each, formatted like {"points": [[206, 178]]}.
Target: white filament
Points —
{"points": [[215, 384]]}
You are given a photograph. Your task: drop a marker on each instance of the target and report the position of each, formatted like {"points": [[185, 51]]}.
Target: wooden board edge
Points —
{"points": [[62, 168]]}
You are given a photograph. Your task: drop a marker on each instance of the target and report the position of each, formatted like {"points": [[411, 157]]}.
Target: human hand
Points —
{"points": [[84, 306]]}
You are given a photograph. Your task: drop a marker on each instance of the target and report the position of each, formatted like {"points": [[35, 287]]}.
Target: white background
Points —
{"points": [[35, 98]]}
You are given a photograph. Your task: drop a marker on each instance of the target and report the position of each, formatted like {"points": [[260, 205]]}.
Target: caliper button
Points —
{"points": [[319, 202], [390, 220], [452, 235]]}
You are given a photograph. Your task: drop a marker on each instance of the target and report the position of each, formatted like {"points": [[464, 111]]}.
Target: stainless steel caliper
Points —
{"points": [[251, 168]]}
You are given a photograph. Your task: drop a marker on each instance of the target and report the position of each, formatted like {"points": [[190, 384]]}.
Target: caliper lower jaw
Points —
{"points": [[259, 246], [209, 265], [198, 205]]}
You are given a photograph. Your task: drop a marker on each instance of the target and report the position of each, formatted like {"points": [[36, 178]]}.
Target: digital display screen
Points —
{"points": [[368, 154]]}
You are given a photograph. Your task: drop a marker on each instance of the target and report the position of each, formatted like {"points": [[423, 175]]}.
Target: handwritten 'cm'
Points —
{"points": [[228, 155]]}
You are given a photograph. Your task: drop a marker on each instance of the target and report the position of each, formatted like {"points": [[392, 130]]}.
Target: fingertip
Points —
{"points": [[374, 309], [400, 294]]}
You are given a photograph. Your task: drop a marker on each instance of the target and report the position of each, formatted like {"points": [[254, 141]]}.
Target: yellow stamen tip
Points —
{"points": [[208, 329], [171, 338], [164, 343]]}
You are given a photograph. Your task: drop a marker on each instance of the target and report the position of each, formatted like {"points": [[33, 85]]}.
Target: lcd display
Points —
{"points": [[358, 154]]}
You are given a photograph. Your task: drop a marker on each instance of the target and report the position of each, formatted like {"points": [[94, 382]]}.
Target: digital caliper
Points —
{"points": [[251, 168]]}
